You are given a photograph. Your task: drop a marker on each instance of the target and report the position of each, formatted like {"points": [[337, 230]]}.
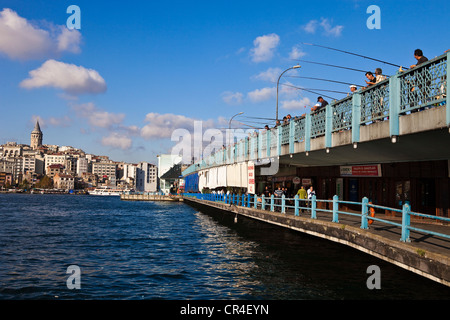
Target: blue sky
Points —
{"points": [[138, 70]]}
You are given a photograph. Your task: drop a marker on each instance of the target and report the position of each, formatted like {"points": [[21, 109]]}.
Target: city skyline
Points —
{"points": [[135, 72]]}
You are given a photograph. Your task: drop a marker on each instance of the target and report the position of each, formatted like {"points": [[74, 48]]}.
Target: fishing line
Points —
{"points": [[325, 90], [320, 79], [355, 54], [308, 90], [331, 65]]}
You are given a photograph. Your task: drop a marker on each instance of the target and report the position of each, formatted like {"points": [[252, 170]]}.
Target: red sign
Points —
{"points": [[361, 171]]}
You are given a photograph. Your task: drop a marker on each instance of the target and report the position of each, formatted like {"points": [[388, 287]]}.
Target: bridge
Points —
{"points": [[385, 148], [394, 124]]}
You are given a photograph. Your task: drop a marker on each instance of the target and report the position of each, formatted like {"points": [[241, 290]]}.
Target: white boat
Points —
{"points": [[105, 191]]}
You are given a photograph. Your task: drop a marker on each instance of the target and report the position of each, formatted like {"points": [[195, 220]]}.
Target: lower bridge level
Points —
{"points": [[425, 251]]}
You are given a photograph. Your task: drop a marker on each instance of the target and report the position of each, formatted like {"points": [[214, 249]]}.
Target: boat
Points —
{"points": [[105, 191]]}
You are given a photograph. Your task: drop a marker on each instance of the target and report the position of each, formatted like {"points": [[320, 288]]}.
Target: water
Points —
{"points": [[170, 251]]}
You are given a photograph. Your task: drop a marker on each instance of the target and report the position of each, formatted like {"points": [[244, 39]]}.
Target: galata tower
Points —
{"points": [[36, 137]]}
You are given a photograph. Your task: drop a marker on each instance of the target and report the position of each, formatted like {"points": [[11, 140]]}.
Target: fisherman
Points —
{"points": [[418, 54], [379, 75], [371, 78], [323, 103]]}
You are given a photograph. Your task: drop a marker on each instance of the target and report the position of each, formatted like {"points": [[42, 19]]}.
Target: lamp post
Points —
{"points": [[278, 82], [229, 126]]}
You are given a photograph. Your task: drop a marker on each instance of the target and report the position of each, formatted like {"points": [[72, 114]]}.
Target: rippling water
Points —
{"points": [[157, 250]]}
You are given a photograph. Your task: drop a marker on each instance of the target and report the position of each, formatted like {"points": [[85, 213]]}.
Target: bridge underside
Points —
{"points": [[424, 136], [423, 146]]}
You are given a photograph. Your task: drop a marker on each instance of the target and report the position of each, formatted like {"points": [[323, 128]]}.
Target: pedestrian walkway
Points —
{"points": [[420, 240], [425, 253]]}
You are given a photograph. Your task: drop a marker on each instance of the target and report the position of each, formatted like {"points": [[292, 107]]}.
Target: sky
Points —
{"points": [[136, 73]]}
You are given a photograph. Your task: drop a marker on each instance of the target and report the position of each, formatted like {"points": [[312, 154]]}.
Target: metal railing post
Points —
{"points": [[263, 202], [364, 213], [283, 204], [313, 207], [271, 203], [328, 125], [406, 222], [296, 204], [335, 208]]}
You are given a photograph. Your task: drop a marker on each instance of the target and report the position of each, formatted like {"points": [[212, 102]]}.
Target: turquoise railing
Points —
{"points": [[296, 205], [409, 91]]}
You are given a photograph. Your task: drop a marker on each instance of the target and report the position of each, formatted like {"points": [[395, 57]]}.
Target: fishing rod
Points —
{"points": [[331, 65], [355, 54], [320, 79], [325, 90], [309, 90]]}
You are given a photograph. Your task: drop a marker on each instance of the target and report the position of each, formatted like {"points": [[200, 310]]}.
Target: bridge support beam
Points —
{"points": [[356, 117], [394, 106], [448, 90]]}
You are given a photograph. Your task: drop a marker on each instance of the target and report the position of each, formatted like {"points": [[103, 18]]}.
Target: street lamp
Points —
{"points": [[294, 67], [229, 126]]}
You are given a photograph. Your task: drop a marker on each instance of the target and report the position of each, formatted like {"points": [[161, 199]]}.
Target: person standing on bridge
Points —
{"points": [[418, 54], [302, 194], [311, 193]]}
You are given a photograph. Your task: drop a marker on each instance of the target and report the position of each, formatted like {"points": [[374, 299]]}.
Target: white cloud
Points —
{"points": [[21, 40], [264, 47], [117, 140], [68, 77], [260, 95], [68, 40], [64, 121], [329, 30], [296, 53], [296, 104], [162, 125], [270, 74], [325, 24], [311, 26], [232, 98], [97, 117]]}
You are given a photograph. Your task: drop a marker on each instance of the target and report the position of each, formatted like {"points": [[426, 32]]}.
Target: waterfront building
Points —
{"points": [[53, 169], [146, 177], [63, 181], [165, 163], [106, 171], [5, 179], [82, 166]]}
